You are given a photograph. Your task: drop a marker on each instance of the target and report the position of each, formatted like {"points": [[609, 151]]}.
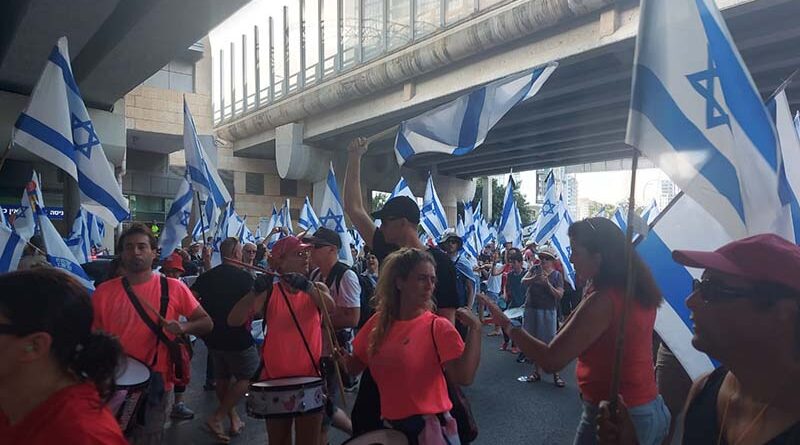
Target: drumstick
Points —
{"points": [[326, 317], [252, 267]]}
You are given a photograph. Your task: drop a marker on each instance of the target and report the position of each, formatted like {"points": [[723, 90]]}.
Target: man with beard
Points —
{"points": [[115, 313]]}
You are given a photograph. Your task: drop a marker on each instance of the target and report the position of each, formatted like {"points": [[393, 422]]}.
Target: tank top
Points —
{"points": [[596, 363], [702, 414]]}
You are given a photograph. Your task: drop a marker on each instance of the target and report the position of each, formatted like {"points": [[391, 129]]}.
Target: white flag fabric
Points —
{"points": [[56, 127], [432, 216], [469, 215], [459, 126], [176, 226], [204, 177], [59, 255], [25, 221], [3, 220], [560, 241], [308, 220], [551, 214], [79, 240], [332, 216], [789, 170], [357, 240], [97, 229], [460, 227], [400, 189], [695, 112], [685, 225], [11, 247], [245, 235], [650, 212], [208, 223], [510, 229], [287, 216]]}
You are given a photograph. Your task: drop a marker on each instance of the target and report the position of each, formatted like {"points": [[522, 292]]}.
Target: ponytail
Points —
{"points": [[97, 359]]}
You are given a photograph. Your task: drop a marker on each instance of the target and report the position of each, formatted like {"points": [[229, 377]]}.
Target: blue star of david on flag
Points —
{"points": [[336, 218], [177, 221], [547, 208], [185, 218], [703, 82], [84, 136]]}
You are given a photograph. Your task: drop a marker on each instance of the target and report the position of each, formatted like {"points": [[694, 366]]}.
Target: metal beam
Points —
{"points": [[257, 66], [271, 60], [244, 73], [553, 162], [301, 76], [578, 120]]}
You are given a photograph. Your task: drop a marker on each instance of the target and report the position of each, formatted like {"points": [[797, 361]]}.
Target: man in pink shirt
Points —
{"points": [[115, 314]]}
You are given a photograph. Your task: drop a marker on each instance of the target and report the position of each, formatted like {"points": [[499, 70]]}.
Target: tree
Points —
{"points": [[526, 211], [378, 200]]}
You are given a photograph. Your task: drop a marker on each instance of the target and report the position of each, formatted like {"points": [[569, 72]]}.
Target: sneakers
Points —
{"points": [[181, 412], [504, 346]]}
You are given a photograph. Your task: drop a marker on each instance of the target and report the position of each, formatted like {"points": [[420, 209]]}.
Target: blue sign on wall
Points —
{"points": [[54, 213]]}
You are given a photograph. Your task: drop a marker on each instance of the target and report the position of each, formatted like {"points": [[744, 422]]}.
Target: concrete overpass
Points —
{"points": [[579, 116]]}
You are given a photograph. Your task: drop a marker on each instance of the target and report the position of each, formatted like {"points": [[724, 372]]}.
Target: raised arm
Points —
{"points": [[353, 203]]}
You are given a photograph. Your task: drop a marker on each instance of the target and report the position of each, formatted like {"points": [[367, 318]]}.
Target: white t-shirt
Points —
{"points": [[494, 282], [347, 293]]}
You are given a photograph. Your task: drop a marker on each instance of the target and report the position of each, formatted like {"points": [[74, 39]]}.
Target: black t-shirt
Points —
{"points": [[219, 290], [445, 293], [515, 288], [539, 295]]}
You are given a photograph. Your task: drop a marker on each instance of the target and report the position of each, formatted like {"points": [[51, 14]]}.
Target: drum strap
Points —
{"points": [[143, 315], [300, 330]]}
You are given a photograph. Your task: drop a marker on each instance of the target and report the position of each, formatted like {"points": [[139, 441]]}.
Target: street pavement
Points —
{"points": [[508, 412]]}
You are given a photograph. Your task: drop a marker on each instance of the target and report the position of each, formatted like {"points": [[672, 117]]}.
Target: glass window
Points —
{"points": [[254, 183], [398, 27], [428, 17], [458, 9], [372, 25]]}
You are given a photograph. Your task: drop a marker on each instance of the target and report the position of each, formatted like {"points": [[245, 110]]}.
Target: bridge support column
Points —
{"points": [[296, 160]]}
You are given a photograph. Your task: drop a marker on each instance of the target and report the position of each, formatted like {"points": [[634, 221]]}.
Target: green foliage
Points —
{"points": [[526, 211], [378, 200]]}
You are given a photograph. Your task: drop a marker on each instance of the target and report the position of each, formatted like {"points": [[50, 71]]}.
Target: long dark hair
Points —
{"points": [[48, 300], [603, 237]]}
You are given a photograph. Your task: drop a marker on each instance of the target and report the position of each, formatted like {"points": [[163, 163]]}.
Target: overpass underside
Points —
{"points": [[578, 117]]}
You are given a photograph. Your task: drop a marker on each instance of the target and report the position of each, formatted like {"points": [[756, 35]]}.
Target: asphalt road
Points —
{"points": [[508, 412]]}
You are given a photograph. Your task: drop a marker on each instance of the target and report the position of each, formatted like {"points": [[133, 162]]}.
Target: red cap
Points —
{"points": [[174, 262], [766, 257], [286, 245]]}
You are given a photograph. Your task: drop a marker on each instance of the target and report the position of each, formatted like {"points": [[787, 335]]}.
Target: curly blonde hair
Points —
{"points": [[387, 296]]}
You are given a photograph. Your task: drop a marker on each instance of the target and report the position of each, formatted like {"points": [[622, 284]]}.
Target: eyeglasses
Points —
{"points": [[303, 253], [709, 290]]}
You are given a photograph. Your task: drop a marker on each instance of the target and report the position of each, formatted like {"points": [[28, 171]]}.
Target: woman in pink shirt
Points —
{"points": [[599, 255], [409, 349]]}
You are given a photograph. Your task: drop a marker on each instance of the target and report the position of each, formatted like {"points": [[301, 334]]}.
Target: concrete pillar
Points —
{"points": [[294, 159], [486, 198]]}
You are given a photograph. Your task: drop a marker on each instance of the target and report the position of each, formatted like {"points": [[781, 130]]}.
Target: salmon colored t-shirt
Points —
{"points": [[595, 364], [406, 367], [71, 416], [114, 314], [285, 355]]}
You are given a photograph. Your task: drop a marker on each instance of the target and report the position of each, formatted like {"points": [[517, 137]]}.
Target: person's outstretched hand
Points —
{"points": [[498, 317]]}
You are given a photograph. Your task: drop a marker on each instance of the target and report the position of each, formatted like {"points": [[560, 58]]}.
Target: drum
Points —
{"points": [[379, 437], [289, 397], [516, 312], [132, 379]]}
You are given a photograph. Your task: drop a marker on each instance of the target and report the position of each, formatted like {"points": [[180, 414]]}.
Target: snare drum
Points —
{"points": [[379, 437], [289, 397], [132, 380]]}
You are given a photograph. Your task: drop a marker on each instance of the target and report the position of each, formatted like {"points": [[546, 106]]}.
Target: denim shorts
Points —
{"points": [[651, 421]]}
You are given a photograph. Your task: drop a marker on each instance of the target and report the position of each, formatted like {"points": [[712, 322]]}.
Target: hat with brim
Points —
{"points": [[399, 207], [287, 245], [324, 237]]}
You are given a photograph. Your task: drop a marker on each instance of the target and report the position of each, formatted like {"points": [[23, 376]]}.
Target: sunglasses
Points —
{"points": [[710, 291]]}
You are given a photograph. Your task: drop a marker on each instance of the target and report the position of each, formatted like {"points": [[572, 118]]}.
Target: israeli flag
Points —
{"points": [[97, 229], [400, 189], [59, 255], [357, 240], [684, 225], [600, 213], [176, 226], [204, 177], [551, 213], [432, 216], [31, 208], [471, 244], [286, 217], [274, 221], [258, 235], [245, 235], [460, 227], [11, 247], [619, 218], [695, 112], [560, 241], [469, 215], [332, 216], [459, 126], [56, 127], [510, 229], [207, 223], [789, 170], [308, 220], [79, 240], [650, 212]]}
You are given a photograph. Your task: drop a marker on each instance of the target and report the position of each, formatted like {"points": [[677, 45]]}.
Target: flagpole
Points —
{"points": [[629, 289], [383, 134], [783, 85]]}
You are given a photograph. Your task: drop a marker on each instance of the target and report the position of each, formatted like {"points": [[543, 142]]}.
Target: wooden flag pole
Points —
{"points": [[783, 85], [629, 289], [200, 212]]}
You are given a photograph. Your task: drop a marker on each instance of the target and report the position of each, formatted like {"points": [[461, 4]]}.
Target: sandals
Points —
{"points": [[216, 432], [558, 381], [533, 378]]}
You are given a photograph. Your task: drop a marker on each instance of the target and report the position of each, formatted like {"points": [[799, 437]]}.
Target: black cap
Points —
{"points": [[324, 237], [399, 207]]}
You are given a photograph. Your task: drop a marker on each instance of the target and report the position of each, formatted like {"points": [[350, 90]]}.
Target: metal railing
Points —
{"points": [[359, 40]]}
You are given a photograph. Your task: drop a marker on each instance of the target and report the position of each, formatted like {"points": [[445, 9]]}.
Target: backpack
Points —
{"points": [[367, 290]]}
